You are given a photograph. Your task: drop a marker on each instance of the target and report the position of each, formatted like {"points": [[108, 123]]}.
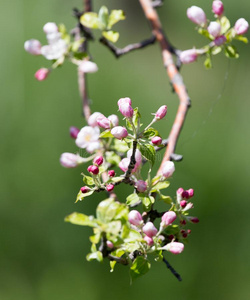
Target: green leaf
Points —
{"points": [[95, 256], [103, 16], [225, 24], [166, 199], [150, 133], [112, 158], [112, 228], [139, 267], [133, 199], [231, 51], [115, 16], [95, 239], [159, 186], [147, 202], [76, 44], [120, 146], [81, 219], [148, 151], [117, 253], [109, 210], [90, 20], [208, 62], [81, 196], [216, 50], [110, 35], [106, 134], [136, 117], [88, 180], [205, 33], [117, 179], [241, 38]]}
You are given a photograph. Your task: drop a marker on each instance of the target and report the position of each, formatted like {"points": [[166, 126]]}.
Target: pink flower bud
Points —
{"points": [[194, 220], [87, 66], [189, 231], [103, 122], [188, 56], [197, 15], [138, 156], [33, 47], [184, 234], [214, 29], [85, 189], [185, 194], [70, 160], [126, 110], [241, 26], [74, 132], [191, 193], [174, 247], [183, 222], [149, 240], [42, 74], [111, 173], [171, 237], [110, 244], [98, 160], [149, 229], [161, 112], [93, 169], [123, 164], [141, 186], [119, 132], [92, 120], [124, 100], [50, 27], [188, 206], [217, 7], [135, 218], [168, 169], [110, 187], [156, 140], [183, 203], [220, 40], [168, 218], [179, 191], [114, 120]]}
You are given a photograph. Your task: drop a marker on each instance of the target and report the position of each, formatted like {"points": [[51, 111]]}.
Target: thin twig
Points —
{"points": [[119, 52], [132, 162], [174, 75], [177, 275]]}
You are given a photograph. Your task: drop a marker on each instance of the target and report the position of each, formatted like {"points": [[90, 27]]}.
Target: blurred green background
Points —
{"points": [[43, 258]]}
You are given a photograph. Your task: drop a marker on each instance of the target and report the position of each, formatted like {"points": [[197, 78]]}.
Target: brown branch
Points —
{"points": [[119, 52], [177, 275], [174, 76]]}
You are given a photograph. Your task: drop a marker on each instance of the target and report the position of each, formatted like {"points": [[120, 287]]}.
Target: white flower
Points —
{"points": [[88, 138], [92, 120], [87, 66], [50, 27], [54, 50]]}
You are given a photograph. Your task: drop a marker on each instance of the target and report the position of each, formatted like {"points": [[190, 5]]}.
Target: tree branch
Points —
{"points": [[119, 52], [174, 76], [132, 163], [177, 275]]}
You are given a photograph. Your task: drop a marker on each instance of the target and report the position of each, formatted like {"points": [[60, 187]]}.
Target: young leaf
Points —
{"points": [[208, 62], [139, 267], [113, 158], [103, 16], [133, 199], [120, 146], [110, 35], [160, 186], [81, 196], [95, 256], [231, 51], [147, 202], [241, 38], [115, 16], [148, 151], [88, 180], [81, 219], [90, 20], [150, 133], [106, 134], [225, 24]]}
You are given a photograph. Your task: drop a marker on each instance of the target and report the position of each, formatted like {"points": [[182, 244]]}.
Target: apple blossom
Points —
{"points": [[88, 138], [241, 26], [217, 7], [135, 218], [119, 132], [149, 229], [33, 47], [168, 169], [197, 15]]}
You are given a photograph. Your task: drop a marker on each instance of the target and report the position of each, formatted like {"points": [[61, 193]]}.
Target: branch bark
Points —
{"points": [[174, 76]]}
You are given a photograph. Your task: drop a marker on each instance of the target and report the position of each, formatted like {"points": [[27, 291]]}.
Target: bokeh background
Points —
{"points": [[43, 258]]}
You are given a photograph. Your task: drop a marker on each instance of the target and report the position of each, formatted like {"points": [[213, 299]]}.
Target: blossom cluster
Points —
{"points": [[219, 33]]}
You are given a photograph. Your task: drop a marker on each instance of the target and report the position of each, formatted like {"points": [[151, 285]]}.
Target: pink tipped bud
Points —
{"points": [[103, 122], [123, 164], [220, 40], [111, 173], [189, 231], [188, 206], [119, 132], [183, 203], [124, 100], [214, 29], [93, 169], [110, 244], [174, 247], [126, 110], [170, 237], [156, 140], [241, 26], [179, 191], [168, 218], [149, 240], [135, 218], [184, 234], [194, 220], [188, 56], [141, 186], [92, 120], [168, 169], [33, 47], [161, 112], [114, 120], [85, 189], [149, 229], [98, 160], [70, 160], [217, 7], [191, 193], [110, 187], [183, 222], [74, 132], [42, 74], [185, 194], [87, 66], [50, 27], [197, 15]]}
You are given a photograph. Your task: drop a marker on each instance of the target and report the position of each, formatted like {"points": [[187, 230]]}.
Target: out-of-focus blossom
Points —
{"points": [[88, 138]]}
